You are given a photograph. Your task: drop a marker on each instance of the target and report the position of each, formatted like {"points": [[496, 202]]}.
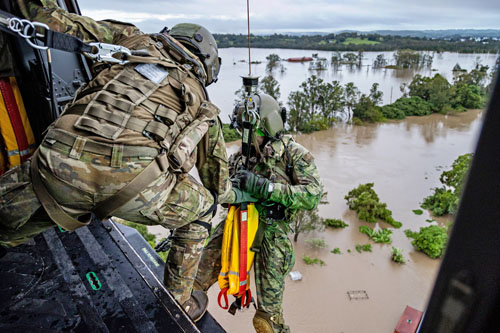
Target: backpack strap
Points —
{"points": [[52, 207]]}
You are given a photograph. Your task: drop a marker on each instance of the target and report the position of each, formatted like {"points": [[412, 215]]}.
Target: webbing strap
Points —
{"points": [[154, 170], [259, 237], [205, 225], [145, 87], [151, 127], [106, 130], [121, 104], [52, 39], [123, 90], [168, 115], [243, 248], [99, 147], [60, 41], [119, 118], [53, 209]]}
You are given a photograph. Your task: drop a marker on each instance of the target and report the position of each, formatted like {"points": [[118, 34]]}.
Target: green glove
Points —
{"points": [[252, 183], [241, 196]]}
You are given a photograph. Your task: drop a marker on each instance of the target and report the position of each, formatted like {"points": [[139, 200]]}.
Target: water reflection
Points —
{"points": [[439, 125]]}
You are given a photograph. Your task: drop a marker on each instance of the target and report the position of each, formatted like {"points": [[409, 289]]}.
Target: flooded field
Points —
{"points": [[222, 92], [404, 159]]}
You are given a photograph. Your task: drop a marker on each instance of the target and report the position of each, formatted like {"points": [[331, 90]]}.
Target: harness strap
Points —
{"points": [[61, 41], [243, 249], [53, 209], [206, 225], [155, 169], [213, 209], [222, 293], [52, 39], [259, 236]]}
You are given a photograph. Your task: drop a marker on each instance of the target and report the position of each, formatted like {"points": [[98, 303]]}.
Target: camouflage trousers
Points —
{"points": [[274, 261], [173, 201]]}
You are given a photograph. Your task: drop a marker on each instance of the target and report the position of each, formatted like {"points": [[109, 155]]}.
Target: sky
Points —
{"points": [[279, 16]]}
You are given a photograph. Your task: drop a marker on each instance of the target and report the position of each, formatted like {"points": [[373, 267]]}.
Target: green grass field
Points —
{"points": [[360, 41]]}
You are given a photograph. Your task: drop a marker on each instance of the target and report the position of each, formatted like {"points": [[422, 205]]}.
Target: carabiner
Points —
{"points": [[35, 34], [105, 53]]}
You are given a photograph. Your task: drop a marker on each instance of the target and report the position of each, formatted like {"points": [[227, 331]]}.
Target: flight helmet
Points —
{"points": [[270, 115], [202, 43]]}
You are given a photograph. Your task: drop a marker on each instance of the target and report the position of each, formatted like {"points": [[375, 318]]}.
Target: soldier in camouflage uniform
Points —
{"points": [[122, 123], [282, 178]]}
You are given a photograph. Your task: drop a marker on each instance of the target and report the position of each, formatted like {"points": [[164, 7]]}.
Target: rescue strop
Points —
{"points": [[237, 258], [15, 129]]}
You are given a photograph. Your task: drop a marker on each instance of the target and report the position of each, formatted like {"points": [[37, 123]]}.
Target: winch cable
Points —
{"points": [[248, 24]]}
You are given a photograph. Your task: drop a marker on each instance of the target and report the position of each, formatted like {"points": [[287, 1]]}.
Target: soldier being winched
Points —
{"points": [[126, 143], [281, 178]]}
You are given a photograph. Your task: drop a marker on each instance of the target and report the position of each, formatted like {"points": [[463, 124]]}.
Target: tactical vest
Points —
{"points": [[153, 101]]}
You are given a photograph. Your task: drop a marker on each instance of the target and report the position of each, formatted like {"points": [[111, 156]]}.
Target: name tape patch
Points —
{"points": [[153, 72]]}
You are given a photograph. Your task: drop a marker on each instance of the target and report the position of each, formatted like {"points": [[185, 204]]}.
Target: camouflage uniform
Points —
{"points": [[300, 190], [78, 183]]}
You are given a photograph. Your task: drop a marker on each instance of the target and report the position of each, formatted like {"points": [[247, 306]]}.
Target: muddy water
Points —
{"points": [[389, 80], [404, 159]]}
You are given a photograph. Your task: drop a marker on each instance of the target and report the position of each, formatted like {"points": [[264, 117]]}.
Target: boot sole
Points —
{"points": [[200, 316]]}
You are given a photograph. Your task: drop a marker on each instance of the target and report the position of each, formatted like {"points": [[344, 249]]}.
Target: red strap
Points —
{"points": [[223, 292], [243, 248], [248, 295], [15, 118]]}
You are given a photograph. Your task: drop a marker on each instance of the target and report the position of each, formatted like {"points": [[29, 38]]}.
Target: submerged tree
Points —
{"points": [[445, 199], [316, 106], [412, 59], [273, 61], [380, 61], [270, 86], [351, 97], [375, 94]]}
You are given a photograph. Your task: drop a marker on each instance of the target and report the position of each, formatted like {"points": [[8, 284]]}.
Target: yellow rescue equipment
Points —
{"points": [[237, 258], [17, 142]]}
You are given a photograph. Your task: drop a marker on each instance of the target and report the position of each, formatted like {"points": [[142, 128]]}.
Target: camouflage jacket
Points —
{"points": [[300, 189], [213, 169]]}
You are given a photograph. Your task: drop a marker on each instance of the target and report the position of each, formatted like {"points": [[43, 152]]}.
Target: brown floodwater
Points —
{"points": [[404, 159]]}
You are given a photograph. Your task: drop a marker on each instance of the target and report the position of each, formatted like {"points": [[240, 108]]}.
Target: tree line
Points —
{"points": [[353, 41], [318, 104]]}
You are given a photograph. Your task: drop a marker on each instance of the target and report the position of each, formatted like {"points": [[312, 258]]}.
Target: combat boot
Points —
{"points": [[196, 305], [264, 322]]}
